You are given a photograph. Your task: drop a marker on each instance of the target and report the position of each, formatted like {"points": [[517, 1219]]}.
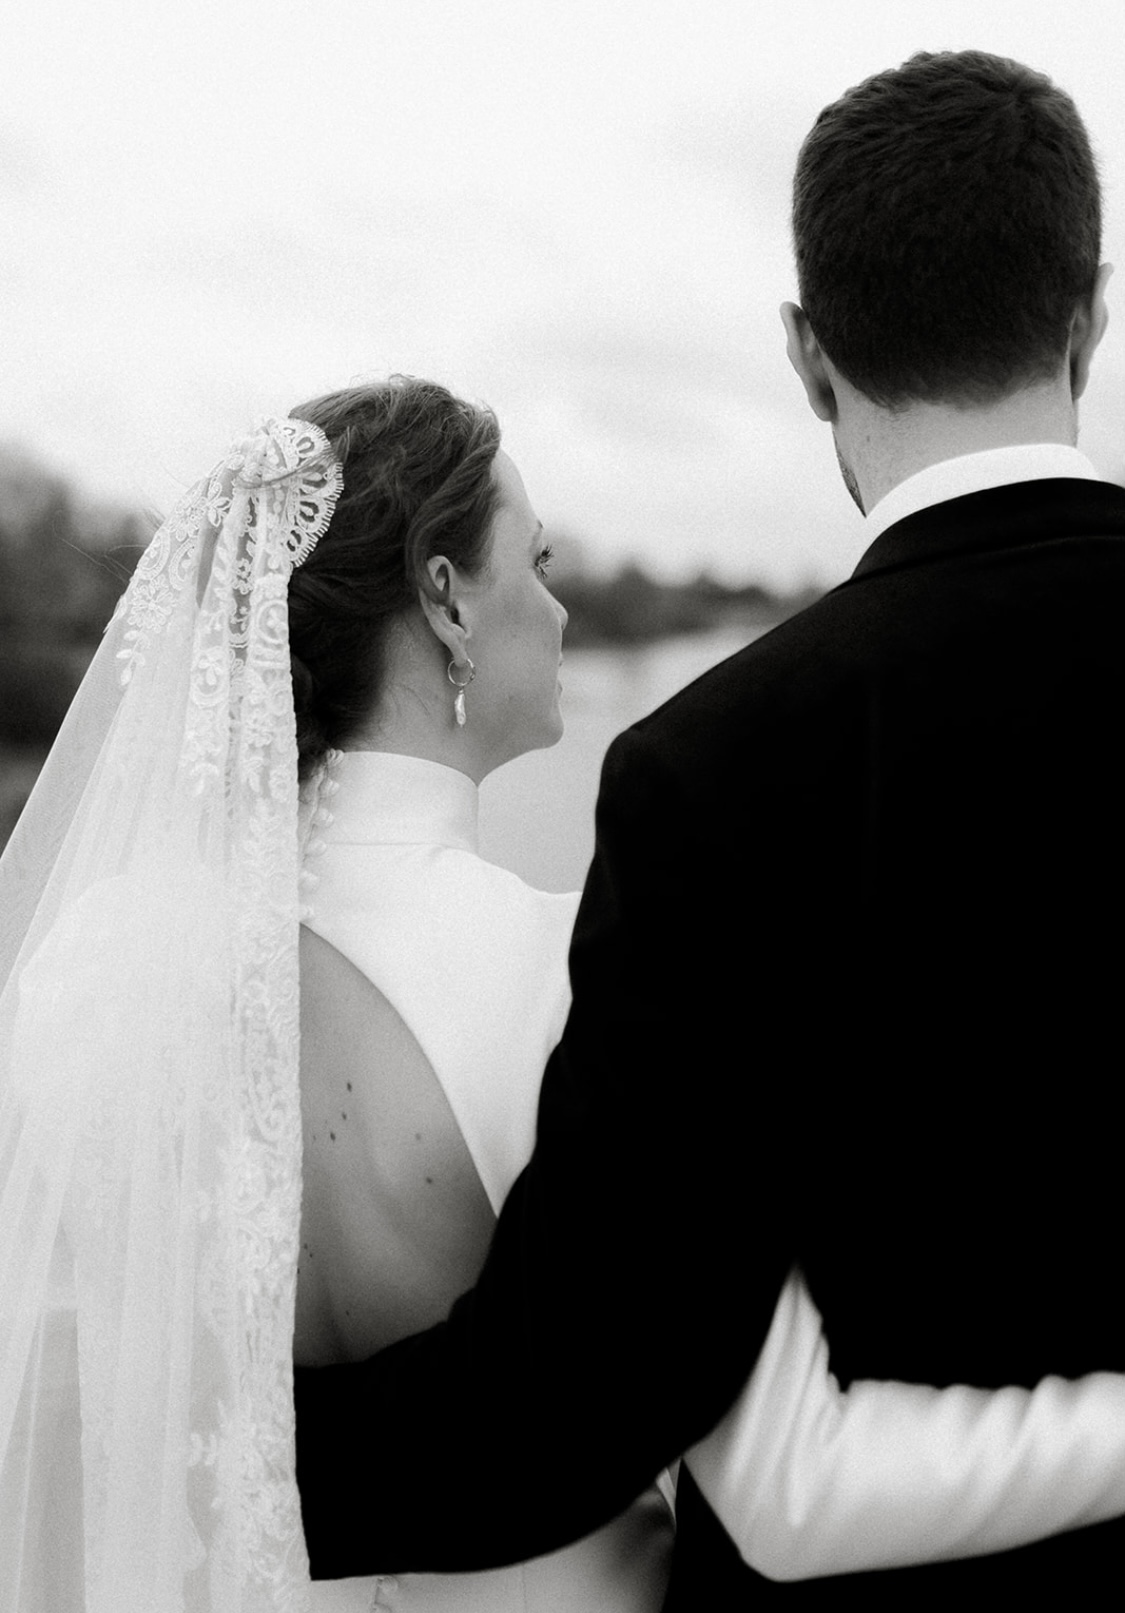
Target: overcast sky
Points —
{"points": [[577, 212]]}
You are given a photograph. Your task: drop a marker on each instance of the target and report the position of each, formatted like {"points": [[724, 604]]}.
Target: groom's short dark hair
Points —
{"points": [[947, 222]]}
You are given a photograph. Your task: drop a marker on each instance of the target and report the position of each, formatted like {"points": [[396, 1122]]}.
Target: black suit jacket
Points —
{"points": [[846, 992]]}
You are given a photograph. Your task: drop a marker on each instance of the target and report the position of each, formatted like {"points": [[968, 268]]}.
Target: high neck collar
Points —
{"points": [[386, 799]]}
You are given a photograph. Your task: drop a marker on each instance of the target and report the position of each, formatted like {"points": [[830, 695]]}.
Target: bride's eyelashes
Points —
{"points": [[543, 559]]}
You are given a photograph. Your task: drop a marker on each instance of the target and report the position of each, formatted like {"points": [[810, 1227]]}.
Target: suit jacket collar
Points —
{"points": [[998, 518], [973, 473]]}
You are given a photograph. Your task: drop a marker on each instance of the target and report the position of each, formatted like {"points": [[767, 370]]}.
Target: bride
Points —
{"points": [[160, 1268]]}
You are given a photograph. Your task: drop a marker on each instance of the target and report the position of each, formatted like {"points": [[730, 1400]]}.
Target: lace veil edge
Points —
{"points": [[150, 1136]]}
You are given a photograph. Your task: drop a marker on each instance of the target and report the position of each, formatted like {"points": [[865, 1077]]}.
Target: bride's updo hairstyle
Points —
{"points": [[417, 465]]}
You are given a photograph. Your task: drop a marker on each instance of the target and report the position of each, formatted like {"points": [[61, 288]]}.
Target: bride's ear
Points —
{"points": [[442, 606]]}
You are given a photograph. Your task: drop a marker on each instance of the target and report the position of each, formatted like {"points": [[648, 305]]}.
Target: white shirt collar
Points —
{"points": [[974, 473]]}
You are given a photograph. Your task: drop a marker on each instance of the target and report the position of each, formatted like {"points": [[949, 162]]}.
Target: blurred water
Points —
{"points": [[537, 814]]}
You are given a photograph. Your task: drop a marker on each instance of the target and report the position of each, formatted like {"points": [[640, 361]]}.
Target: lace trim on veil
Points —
{"points": [[149, 1034]]}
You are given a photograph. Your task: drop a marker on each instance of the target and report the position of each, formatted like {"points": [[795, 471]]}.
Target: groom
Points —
{"points": [[846, 971]]}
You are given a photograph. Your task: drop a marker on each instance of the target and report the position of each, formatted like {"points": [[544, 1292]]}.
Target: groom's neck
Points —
{"points": [[882, 447]]}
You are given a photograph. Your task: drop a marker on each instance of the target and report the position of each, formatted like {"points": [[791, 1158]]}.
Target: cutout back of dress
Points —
{"points": [[395, 1223]]}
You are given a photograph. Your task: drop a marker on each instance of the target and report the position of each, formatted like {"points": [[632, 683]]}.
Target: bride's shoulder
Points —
{"points": [[452, 874], [504, 911], [502, 885]]}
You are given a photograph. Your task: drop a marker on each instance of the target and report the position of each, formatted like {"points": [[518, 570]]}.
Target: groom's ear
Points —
{"points": [[809, 362], [1086, 330]]}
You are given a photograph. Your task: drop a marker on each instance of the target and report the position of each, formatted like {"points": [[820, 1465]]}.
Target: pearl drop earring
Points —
{"points": [[460, 686]]}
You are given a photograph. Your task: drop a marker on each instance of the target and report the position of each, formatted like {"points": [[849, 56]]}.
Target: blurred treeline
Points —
{"points": [[64, 563], [629, 606]]}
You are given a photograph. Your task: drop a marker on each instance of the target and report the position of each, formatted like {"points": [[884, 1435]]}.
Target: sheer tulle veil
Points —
{"points": [[149, 1114]]}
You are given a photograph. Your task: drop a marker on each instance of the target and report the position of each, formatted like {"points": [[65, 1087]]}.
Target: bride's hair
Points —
{"points": [[417, 466]]}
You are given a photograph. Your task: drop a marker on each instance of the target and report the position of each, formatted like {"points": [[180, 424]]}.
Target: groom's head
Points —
{"points": [[947, 223]]}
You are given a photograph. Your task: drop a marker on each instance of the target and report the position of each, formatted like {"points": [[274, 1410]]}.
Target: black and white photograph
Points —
{"points": [[562, 670]]}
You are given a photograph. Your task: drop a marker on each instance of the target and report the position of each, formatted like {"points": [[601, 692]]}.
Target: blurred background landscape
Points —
{"points": [[66, 558]]}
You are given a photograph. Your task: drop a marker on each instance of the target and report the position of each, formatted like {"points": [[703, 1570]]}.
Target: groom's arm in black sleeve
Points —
{"points": [[638, 1258]]}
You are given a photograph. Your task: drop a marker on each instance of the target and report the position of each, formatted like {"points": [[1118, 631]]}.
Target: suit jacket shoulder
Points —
{"points": [[968, 572]]}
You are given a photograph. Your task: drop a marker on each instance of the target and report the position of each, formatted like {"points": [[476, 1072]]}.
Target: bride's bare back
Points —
{"points": [[395, 1223]]}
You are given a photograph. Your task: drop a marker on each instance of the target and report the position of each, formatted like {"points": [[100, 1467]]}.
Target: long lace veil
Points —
{"points": [[149, 1114]]}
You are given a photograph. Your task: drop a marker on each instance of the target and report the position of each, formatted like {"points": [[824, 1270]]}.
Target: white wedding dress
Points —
{"points": [[807, 1480], [474, 962]]}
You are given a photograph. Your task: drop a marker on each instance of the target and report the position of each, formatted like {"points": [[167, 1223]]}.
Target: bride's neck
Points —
{"points": [[415, 715], [403, 741]]}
